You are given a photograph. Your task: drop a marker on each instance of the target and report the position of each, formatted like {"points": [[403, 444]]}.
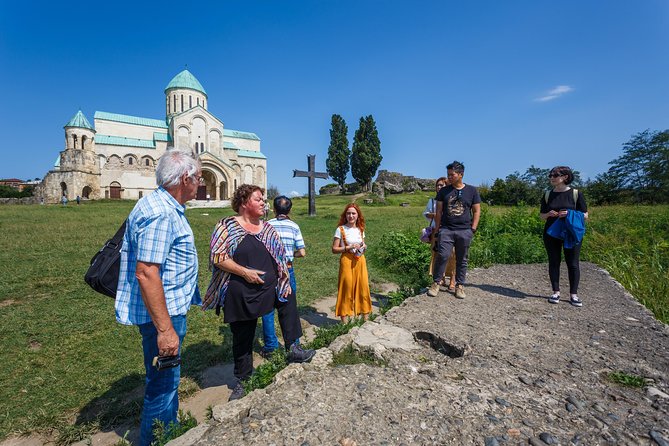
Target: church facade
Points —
{"points": [[116, 157]]}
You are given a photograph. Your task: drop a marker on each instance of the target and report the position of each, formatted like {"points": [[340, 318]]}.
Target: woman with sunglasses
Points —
{"points": [[557, 204], [429, 213]]}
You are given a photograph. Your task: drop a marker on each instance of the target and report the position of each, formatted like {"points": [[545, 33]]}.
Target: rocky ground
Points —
{"points": [[499, 367]]}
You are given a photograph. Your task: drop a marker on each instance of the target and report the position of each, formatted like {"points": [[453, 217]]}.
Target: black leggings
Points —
{"points": [[571, 256], [243, 335]]}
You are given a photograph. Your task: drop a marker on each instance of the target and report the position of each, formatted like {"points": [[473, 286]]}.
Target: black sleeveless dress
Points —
{"points": [[246, 301]]}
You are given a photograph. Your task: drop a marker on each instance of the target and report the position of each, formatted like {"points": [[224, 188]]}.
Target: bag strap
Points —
{"points": [[574, 192], [118, 237], [343, 235]]}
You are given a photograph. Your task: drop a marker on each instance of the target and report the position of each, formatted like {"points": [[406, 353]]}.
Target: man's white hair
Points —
{"points": [[174, 164]]}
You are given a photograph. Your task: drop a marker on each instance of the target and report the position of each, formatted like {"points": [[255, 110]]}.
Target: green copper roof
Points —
{"points": [[238, 134], [185, 80], [161, 137], [229, 145], [79, 120], [251, 154], [136, 120], [57, 163], [121, 141]]}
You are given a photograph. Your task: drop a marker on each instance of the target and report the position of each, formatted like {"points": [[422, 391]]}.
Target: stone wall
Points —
{"points": [[22, 200]]}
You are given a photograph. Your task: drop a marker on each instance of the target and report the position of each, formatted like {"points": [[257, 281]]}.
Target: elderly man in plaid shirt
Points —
{"points": [[291, 236], [158, 280]]}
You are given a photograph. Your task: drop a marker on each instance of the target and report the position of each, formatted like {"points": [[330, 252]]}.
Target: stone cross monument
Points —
{"points": [[312, 175]]}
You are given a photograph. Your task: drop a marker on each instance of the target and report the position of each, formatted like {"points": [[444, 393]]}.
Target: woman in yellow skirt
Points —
{"points": [[353, 296]]}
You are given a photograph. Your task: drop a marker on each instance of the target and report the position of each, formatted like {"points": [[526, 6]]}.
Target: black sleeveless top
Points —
{"points": [[246, 301]]}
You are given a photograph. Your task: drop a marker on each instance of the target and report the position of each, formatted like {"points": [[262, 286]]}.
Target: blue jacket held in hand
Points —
{"points": [[571, 229]]}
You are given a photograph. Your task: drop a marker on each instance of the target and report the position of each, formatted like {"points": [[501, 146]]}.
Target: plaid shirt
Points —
{"points": [[157, 232], [290, 234]]}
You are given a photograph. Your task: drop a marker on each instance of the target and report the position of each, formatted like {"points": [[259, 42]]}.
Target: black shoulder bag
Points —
{"points": [[103, 273]]}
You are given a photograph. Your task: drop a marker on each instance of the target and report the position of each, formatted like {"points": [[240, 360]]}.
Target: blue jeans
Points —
{"points": [[161, 398], [268, 332]]}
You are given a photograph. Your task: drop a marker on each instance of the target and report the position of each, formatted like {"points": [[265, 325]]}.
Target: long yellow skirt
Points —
{"points": [[353, 296]]}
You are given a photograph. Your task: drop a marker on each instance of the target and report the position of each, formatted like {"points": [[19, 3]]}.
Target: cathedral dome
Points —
{"points": [[185, 80], [79, 120]]}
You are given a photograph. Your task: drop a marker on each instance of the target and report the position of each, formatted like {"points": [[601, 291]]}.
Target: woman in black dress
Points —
{"points": [[556, 204], [250, 279]]}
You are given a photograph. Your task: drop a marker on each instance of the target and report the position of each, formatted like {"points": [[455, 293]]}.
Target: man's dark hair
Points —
{"points": [[457, 167], [282, 205]]}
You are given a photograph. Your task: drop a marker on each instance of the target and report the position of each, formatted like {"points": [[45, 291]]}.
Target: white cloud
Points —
{"points": [[293, 194], [555, 93]]}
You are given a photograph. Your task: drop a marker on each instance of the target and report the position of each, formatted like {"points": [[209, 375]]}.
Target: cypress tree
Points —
{"points": [[366, 152], [338, 151]]}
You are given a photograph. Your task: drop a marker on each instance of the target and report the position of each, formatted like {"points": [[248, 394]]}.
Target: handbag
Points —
{"points": [[103, 273], [426, 234]]}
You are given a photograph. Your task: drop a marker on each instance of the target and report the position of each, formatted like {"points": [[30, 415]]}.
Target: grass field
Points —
{"points": [[67, 366]]}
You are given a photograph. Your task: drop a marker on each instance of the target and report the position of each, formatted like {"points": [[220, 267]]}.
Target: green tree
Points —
{"points": [[603, 190], [338, 151], [366, 152], [643, 168]]}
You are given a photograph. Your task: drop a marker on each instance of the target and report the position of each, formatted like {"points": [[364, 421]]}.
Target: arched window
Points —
{"points": [[174, 103], [182, 102], [190, 101], [198, 101], [83, 142], [129, 161], [74, 141], [168, 103], [147, 162]]}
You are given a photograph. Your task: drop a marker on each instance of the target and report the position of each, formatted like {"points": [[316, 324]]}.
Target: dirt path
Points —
{"points": [[217, 381]]}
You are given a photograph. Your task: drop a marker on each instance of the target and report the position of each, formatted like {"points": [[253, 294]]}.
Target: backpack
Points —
{"points": [[103, 273], [548, 192]]}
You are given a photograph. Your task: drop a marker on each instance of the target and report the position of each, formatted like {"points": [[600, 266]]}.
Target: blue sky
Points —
{"points": [[497, 85]]}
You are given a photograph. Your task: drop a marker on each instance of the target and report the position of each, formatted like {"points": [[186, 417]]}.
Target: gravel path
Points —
{"points": [[499, 367]]}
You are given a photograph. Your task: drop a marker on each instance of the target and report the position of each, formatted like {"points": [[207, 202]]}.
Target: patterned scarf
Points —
{"points": [[225, 239]]}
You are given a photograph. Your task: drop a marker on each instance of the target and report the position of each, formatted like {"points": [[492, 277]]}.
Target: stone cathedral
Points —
{"points": [[116, 157]]}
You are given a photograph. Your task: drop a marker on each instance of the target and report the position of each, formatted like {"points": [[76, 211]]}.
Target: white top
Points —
{"points": [[431, 207], [353, 235]]}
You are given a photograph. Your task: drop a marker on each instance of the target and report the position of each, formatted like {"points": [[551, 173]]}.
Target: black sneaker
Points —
{"points": [[237, 392], [266, 354], [575, 301], [298, 354]]}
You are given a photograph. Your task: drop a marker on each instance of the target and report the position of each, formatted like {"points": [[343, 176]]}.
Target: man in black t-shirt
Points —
{"points": [[458, 211]]}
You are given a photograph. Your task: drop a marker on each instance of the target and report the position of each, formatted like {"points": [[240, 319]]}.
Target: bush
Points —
{"points": [[406, 257]]}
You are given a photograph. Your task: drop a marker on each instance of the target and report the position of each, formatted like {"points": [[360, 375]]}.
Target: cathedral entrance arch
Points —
{"points": [[86, 192], [209, 186], [115, 190]]}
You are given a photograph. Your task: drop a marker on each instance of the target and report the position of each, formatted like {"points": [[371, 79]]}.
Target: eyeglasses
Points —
{"points": [[198, 179], [555, 175]]}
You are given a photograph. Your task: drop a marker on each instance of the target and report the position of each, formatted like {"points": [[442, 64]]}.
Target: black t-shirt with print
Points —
{"points": [[457, 206]]}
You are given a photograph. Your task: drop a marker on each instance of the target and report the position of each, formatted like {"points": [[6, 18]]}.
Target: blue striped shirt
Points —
{"points": [[157, 232], [290, 234]]}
